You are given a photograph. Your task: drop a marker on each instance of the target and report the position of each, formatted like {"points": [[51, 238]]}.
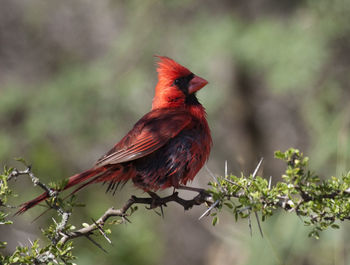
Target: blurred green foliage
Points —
{"points": [[74, 77]]}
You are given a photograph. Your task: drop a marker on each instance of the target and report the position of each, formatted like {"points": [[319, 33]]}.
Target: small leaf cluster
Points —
{"points": [[51, 253], [5, 193], [319, 202]]}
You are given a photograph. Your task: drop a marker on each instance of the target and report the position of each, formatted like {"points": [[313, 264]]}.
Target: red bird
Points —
{"points": [[166, 147]]}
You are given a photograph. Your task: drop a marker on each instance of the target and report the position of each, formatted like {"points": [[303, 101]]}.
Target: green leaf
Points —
{"points": [[22, 160], [215, 220]]}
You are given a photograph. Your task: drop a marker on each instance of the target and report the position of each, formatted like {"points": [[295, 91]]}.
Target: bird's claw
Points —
{"points": [[156, 202]]}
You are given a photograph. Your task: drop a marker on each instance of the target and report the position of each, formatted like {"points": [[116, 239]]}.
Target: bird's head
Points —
{"points": [[176, 85]]}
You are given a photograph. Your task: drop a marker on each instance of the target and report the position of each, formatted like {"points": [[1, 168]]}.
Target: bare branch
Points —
{"points": [[153, 202], [28, 171]]}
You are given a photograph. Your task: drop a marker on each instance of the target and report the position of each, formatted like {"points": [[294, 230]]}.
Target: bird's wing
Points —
{"points": [[149, 134]]}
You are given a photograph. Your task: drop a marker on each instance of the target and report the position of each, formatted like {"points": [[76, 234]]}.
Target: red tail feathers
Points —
{"points": [[32, 203], [93, 175]]}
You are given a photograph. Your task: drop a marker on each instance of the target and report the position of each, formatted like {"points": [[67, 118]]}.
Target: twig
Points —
{"points": [[28, 171], [250, 225], [214, 177], [96, 244], [102, 232], [52, 193], [259, 225], [122, 212], [209, 209], [257, 167]]}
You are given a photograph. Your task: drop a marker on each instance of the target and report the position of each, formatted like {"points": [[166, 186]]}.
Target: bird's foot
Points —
{"points": [[156, 202]]}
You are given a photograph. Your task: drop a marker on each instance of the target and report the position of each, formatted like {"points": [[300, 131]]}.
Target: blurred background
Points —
{"points": [[76, 75]]}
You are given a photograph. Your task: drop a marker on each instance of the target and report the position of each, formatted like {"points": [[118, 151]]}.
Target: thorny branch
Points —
{"points": [[15, 173], [154, 201], [52, 193], [61, 236], [201, 198], [319, 203]]}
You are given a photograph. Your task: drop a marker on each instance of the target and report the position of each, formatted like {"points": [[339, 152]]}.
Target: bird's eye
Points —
{"points": [[177, 81]]}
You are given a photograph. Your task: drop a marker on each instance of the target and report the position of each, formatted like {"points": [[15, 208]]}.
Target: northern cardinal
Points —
{"points": [[165, 148]]}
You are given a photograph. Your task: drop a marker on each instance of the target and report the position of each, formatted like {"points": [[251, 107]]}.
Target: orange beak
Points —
{"points": [[196, 83]]}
